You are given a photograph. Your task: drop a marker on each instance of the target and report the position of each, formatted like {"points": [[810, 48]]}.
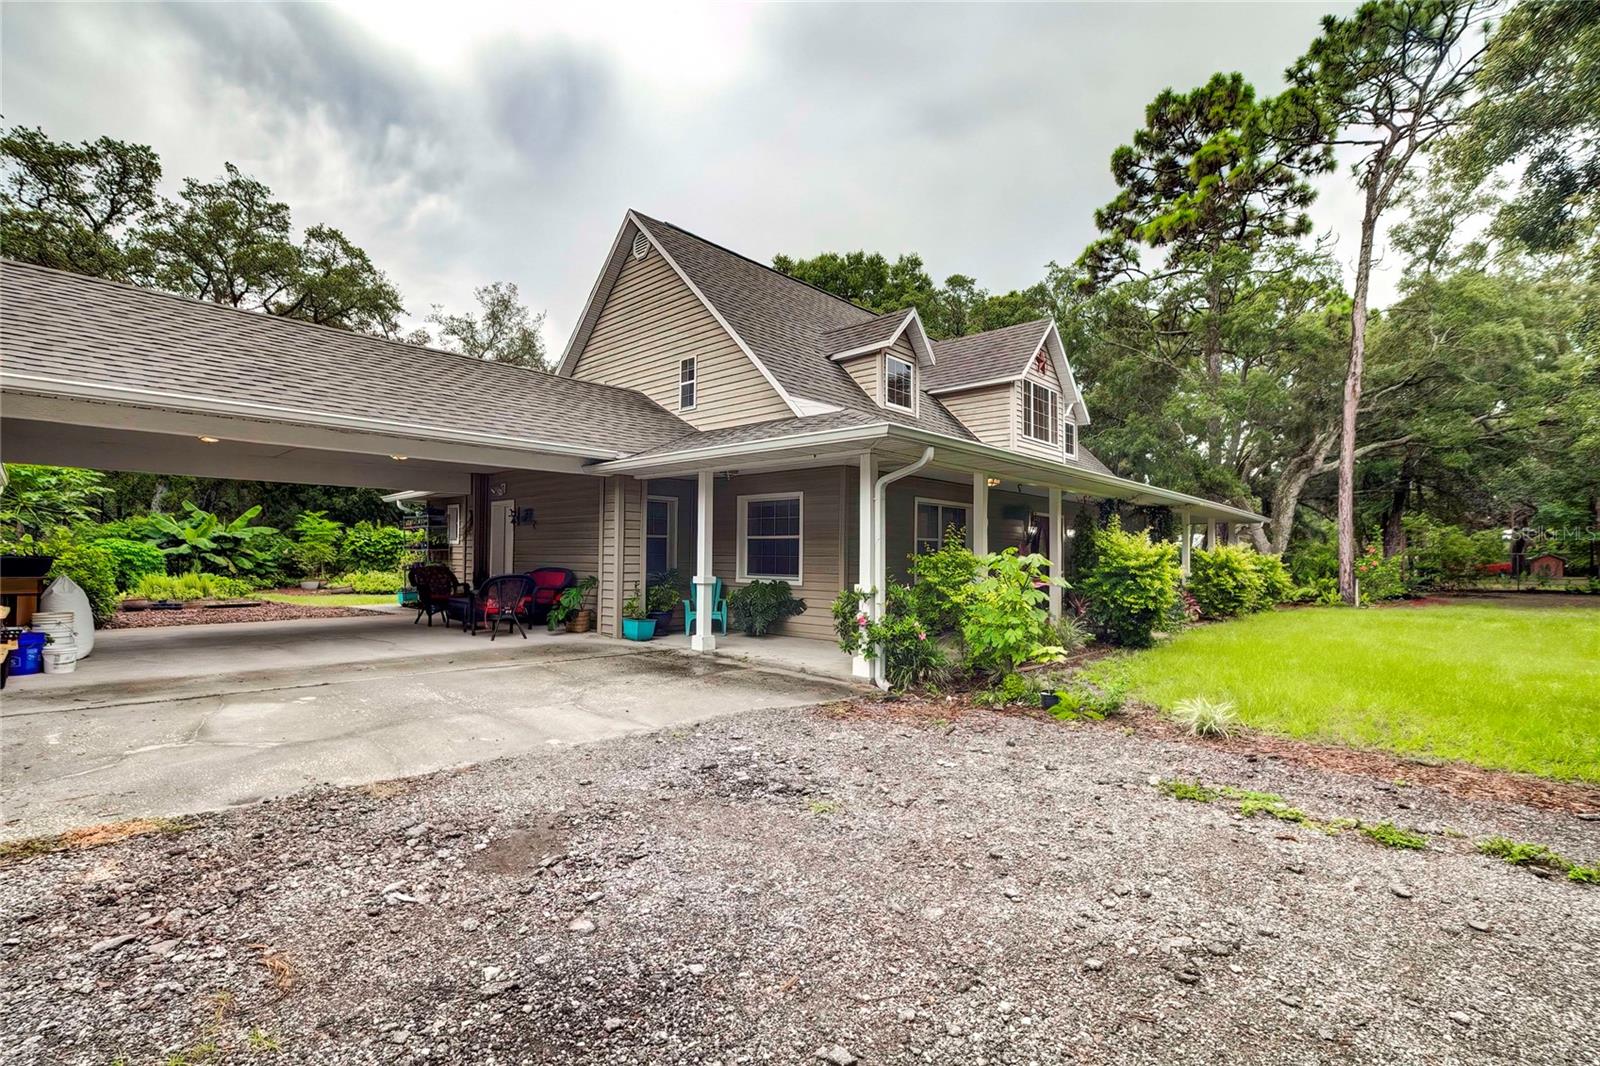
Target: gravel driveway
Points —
{"points": [[864, 884]]}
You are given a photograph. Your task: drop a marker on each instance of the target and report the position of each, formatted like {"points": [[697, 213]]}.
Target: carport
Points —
{"points": [[113, 377]]}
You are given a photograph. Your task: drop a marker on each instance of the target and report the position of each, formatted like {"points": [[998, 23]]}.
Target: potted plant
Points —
{"points": [[636, 621], [569, 608], [21, 558], [661, 600]]}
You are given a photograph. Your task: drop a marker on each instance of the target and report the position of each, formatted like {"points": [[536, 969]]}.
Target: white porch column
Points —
{"points": [[1184, 537], [1211, 534], [978, 535], [1058, 557], [860, 665], [704, 638]]}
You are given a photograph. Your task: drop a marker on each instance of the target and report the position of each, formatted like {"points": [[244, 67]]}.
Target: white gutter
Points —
{"points": [[64, 388], [880, 548]]}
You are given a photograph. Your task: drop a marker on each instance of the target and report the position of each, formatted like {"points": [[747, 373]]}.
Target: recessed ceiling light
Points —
{"points": [[399, 458], [208, 440]]}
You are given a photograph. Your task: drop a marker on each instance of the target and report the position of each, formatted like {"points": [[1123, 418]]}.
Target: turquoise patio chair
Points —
{"points": [[719, 609]]}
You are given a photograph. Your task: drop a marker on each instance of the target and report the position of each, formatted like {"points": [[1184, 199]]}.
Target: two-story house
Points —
{"points": [[709, 415]]}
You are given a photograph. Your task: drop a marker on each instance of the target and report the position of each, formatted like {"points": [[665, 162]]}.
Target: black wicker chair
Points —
{"points": [[507, 598], [435, 584]]}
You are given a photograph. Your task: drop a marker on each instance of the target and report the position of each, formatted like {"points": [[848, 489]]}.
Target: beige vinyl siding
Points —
{"points": [[621, 549], [987, 412], [864, 368], [566, 520], [900, 519], [621, 545], [821, 539], [650, 322]]}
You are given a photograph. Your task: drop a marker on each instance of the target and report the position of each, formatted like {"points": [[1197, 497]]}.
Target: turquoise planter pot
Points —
{"points": [[639, 628]]}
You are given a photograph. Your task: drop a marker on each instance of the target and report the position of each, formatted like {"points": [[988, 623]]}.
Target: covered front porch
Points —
{"points": [[853, 510]]}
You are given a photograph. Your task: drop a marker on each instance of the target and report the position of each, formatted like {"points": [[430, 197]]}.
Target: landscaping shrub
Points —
{"points": [[202, 539], [941, 580], [1224, 581], [1276, 584], [1069, 634], [132, 559], [1380, 578], [1004, 623], [369, 547], [372, 582], [94, 568], [1083, 699], [912, 655], [186, 587], [760, 605], [316, 542], [1011, 688], [1132, 584], [1204, 717], [1440, 556]]}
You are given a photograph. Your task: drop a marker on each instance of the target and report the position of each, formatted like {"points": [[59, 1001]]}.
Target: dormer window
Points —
{"points": [[897, 382], [1041, 413]]}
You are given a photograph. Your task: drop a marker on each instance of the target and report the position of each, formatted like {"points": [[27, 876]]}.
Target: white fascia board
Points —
{"points": [[940, 390], [64, 388], [727, 327], [1058, 352], [1069, 478]]}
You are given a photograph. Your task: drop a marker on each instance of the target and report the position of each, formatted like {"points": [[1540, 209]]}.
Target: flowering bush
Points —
{"points": [[911, 653], [1380, 578]]}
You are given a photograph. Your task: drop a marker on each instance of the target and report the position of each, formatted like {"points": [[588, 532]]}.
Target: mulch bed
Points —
{"points": [[199, 616], [1456, 778]]}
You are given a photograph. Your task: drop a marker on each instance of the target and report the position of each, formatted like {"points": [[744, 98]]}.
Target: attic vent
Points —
{"points": [[641, 246]]}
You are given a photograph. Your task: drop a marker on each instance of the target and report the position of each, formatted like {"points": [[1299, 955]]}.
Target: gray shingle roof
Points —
{"points": [[762, 431], [67, 326], [784, 321], [999, 353], [875, 332]]}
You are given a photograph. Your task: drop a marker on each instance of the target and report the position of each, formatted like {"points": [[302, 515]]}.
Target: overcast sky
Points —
{"points": [[462, 144]]}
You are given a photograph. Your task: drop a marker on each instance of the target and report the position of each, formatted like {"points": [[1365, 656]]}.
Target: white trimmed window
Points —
{"points": [[452, 523], [769, 537], [935, 518], [687, 380], [1041, 412], [898, 382], [1072, 439]]}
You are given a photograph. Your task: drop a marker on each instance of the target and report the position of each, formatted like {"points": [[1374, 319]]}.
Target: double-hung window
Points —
{"points": [[935, 520], [1041, 413], [687, 380], [897, 382], [769, 537], [1072, 440]]}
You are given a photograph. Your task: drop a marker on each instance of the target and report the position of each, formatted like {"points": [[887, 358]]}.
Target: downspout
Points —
{"points": [[880, 551]]}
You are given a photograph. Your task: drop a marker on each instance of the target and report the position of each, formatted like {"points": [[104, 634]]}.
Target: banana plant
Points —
{"points": [[202, 538]]}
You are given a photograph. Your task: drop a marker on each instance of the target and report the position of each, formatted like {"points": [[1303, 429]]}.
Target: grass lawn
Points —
{"points": [[1509, 688], [328, 599]]}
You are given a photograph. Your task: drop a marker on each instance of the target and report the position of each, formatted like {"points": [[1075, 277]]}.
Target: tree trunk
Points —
{"points": [[1394, 530], [1212, 343], [1352, 393]]}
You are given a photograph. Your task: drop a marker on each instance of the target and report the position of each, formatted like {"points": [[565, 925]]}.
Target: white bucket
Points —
{"points": [[59, 658]]}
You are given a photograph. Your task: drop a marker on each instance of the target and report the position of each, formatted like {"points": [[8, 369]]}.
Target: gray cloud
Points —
{"points": [[976, 135]]}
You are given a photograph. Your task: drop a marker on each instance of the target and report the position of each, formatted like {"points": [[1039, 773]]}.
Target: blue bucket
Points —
{"points": [[27, 658]]}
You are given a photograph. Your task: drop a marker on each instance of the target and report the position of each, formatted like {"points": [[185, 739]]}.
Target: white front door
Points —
{"points": [[502, 534]]}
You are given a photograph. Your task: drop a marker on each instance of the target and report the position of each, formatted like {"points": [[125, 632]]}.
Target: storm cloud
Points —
{"points": [[463, 144]]}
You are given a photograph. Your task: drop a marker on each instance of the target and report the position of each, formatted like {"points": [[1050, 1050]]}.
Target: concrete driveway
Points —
{"points": [[166, 722]]}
